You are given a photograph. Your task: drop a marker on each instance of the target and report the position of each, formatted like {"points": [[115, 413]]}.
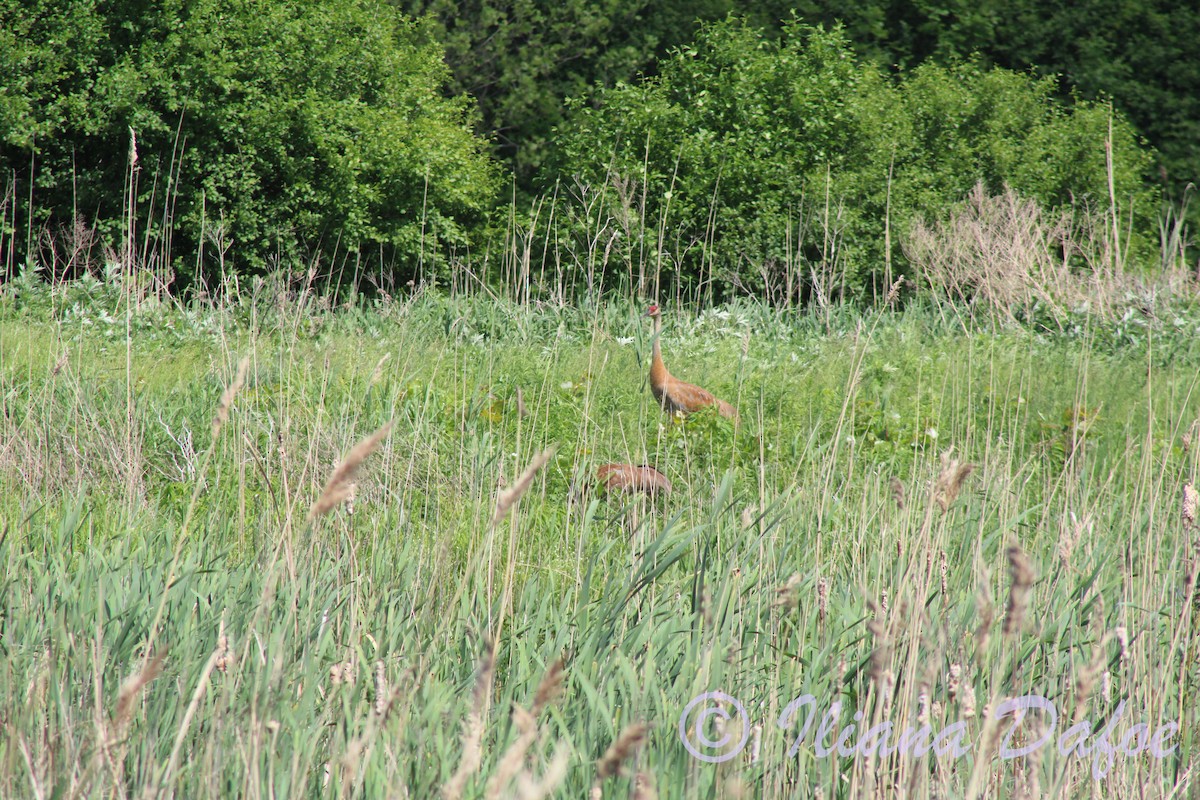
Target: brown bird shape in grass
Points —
{"points": [[673, 394], [630, 479]]}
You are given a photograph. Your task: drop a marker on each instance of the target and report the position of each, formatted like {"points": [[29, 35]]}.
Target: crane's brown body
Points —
{"points": [[629, 479], [673, 394]]}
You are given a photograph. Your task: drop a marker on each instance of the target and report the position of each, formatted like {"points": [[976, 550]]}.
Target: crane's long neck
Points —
{"points": [[658, 370]]}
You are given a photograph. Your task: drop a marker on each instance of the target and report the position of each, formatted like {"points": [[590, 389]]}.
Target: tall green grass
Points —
{"points": [[173, 626]]}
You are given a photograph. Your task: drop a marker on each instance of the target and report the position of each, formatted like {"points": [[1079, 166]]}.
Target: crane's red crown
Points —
{"points": [[652, 311]]}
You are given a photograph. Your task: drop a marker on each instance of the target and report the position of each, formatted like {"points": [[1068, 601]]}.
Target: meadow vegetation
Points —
{"points": [[923, 512], [303, 392]]}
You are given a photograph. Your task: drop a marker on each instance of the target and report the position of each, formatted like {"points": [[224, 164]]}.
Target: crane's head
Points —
{"points": [[653, 311]]}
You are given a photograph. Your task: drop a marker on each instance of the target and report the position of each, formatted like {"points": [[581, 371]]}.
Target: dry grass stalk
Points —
{"points": [[550, 688], [621, 750], [472, 735], [944, 567], [1191, 505], [222, 415], [1022, 574], [341, 482], [507, 498], [950, 480]]}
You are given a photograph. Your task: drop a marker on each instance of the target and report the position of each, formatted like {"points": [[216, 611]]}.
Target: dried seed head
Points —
{"points": [[950, 480], [822, 598], [987, 615], [133, 686], [622, 749], [1022, 574], [550, 688], [507, 498], [643, 787], [1191, 505], [1069, 536], [226, 401], [224, 653], [897, 492], [522, 411], [944, 565], [342, 479], [377, 373], [788, 595]]}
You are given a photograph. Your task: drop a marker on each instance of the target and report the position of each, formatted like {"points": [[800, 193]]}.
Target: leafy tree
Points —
{"points": [[522, 59], [754, 154], [296, 127]]}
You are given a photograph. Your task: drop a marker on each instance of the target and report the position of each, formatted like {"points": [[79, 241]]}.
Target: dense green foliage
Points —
{"points": [[757, 156], [521, 59], [270, 131], [1140, 54], [805, 552]]}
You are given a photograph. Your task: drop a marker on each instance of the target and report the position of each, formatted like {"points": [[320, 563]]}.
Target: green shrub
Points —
{"points": [[758, 157], [295, 127]]}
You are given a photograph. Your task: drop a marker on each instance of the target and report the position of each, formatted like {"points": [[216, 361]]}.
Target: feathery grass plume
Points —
{"points": [[507, 498], [621, 750], [513, 758], [1022, 574], [550, 688], [472, 735], [897, 492], [1069, 536], [132, 687], [1191, 505], [522, 411], [822, 598], [377, 373], [239, 380], [950, 480], [341, 481]]}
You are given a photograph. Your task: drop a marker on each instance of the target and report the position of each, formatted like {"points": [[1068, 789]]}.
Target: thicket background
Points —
{"points": [[721, 146]]}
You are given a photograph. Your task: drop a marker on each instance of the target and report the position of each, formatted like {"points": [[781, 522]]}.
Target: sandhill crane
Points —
{"points": [[672, 393], [629, 479]]}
